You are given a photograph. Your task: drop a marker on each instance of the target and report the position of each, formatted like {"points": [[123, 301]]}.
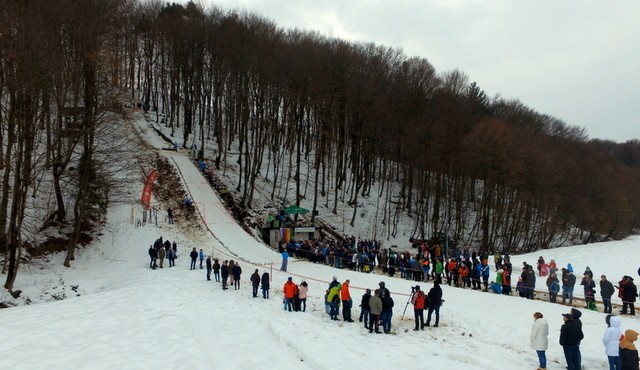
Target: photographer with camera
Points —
{"points": [[418, 301]]}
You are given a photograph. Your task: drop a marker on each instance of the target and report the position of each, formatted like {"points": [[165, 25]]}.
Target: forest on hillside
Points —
{"points": [[362, 120]]}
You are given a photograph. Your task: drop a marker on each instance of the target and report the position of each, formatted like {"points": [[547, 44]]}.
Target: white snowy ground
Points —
{"points": [[127, 316]]}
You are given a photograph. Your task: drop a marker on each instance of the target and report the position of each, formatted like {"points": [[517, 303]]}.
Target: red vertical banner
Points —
{"points": [[148, 188]]}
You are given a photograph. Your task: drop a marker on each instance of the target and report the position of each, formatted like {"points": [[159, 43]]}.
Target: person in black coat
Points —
{"points": [[237, 271], [365, 309], [216, 270], [208, 262], [255, 282], [224, 272], [628, 351], [434, 301], [265, 285], [153, 254], [606, 291], [194, 257], [629, 295], [570, 337]]}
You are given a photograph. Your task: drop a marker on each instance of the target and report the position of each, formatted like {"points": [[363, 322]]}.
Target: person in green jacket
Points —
{"points": [[333, 298], [438, 271]]}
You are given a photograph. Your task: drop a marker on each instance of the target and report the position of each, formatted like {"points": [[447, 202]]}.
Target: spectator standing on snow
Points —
{"points": [[553, 284], [285, 260], [161, 255], [333, 298], [209, 268], [236, 272], [387, 313], [589, 291], [540, 338], [375, 304], [170, 216], [568, 282], [194, 257], [611, 341], [434, 301], [264, 282], [629, 295], [628, 351], [230, 267], [606, 292], [485, 275], [255, 283], [345, 296], [289, 289], [216, 270], [418, 301], [153, 254], [570, 337], [201, 255], [303, 291], [365, 310], [171, 256], [224, 274]]}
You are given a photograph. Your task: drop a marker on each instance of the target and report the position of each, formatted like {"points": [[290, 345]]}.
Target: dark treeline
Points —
{"points": [[338, 121]]}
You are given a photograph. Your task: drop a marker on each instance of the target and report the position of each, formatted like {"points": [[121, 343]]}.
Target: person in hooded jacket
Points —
{"points": [[611, 341], [628, 351], [387, 313], [539, 338], [553, 284], [570, 337]]}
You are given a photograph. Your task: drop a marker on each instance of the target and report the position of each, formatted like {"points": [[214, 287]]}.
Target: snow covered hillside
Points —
{"points": [[114, 312]]}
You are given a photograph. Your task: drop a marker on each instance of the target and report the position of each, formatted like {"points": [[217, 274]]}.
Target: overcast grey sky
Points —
{"points": [[576, 60]]}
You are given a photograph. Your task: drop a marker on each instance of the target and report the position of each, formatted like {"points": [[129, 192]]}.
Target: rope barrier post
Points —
{"points": [[271, 272]]}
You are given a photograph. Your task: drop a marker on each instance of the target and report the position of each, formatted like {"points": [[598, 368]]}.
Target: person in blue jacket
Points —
{"points": [[285, 259], [486, 270], [201, 256]]}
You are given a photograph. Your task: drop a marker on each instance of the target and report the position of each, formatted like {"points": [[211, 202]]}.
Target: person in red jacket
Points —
{"points": [[418, 301], [345, 296], [289, 290]]}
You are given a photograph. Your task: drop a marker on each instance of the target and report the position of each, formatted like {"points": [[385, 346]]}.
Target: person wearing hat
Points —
{"points": [[628, 351], [418, 301], [629, 295], [570, 337], [606, 291]]}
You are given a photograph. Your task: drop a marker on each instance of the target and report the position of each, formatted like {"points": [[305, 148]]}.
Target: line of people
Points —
{"points": [[620, 349]]}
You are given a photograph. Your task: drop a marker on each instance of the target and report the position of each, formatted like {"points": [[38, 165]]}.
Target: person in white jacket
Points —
{"points": [[611, 341], [540, 338]]}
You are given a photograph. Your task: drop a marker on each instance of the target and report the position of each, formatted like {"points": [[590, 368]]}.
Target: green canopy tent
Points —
{"points": [[295, 210]]}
